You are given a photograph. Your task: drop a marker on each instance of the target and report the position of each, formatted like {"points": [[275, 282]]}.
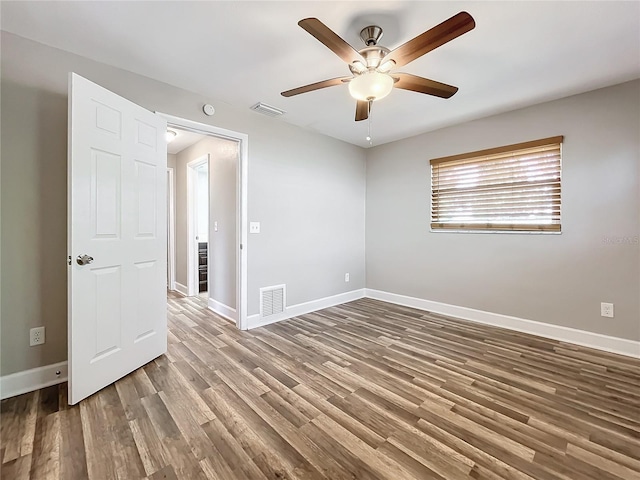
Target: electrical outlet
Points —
{"points": [[346, 277], [606, 310], [36, 336]]}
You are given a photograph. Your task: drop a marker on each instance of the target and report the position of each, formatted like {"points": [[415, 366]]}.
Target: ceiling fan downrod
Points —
{"points": [[371, 35]]}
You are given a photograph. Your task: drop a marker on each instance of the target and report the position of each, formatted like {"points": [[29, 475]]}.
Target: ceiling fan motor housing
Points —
{"points": [[374, 55]]}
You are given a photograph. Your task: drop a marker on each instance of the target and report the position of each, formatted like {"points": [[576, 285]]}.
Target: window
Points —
{"points": [[512, 188]]}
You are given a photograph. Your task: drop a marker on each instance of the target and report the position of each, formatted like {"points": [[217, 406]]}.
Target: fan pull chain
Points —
{"points": [[369, 123]]}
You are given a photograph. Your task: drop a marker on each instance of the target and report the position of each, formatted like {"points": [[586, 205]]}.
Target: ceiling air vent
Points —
{"points": [[267, 109], [272, 300]]}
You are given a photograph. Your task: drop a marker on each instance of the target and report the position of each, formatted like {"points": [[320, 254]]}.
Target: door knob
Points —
{"points": [[84, 259]]}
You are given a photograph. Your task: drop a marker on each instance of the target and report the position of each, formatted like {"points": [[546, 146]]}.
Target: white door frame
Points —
{"points": [[193, 277], [242, 205], [171, 247]]}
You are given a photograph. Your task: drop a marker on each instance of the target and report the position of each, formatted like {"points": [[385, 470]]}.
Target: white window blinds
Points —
{"points": [[516, 187]]}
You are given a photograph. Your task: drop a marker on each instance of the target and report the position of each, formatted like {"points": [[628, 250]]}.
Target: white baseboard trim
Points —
{"points": [[254, 321], [182, 289], [223, 310], [598, 341], [30, 380]]}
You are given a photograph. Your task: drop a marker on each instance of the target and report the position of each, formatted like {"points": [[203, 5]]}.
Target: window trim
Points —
{"points": [[484, 228]]}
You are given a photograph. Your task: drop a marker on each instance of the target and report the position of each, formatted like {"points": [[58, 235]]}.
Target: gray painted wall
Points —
{"points": [[34, 218], [557, 279], [223, 162], [299, 182], [171, 160], [222, 210]]}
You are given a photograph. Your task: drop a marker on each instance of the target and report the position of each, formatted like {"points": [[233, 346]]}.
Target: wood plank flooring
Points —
{"points": [[364, 390]]}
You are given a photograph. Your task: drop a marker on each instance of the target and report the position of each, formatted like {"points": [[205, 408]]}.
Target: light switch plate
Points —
{"points": [[254, 227]]}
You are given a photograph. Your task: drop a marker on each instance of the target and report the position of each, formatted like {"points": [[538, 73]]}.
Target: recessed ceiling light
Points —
{"points": [[170, 135]]}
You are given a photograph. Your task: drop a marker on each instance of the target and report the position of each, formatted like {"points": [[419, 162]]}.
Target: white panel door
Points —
{"points": [[117, 217]]}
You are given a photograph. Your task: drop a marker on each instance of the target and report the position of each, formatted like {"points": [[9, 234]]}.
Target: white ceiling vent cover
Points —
{"points": [[272, 300], [267, 109]]}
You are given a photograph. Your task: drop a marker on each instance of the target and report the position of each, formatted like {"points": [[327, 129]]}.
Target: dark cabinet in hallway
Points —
{"points": [[202, 266]]}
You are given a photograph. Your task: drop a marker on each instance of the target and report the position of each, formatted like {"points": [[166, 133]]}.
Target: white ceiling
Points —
{"points": [[519, 54]]}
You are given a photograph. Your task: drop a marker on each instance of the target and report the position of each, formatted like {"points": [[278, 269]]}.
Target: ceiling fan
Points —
{"points": [[371, 67]]}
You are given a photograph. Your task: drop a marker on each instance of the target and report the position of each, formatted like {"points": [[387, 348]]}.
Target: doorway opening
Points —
{"points": [[210, 215]]}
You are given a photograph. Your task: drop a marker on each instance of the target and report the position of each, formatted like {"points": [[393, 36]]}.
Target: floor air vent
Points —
{"points": [[272, 300]]}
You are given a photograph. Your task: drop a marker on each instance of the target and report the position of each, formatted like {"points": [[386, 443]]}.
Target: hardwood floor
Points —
{"points": [[365, 390]]}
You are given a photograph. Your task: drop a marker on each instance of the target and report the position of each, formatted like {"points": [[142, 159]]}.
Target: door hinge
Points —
{"points": [[240, 246], [69, 259]]}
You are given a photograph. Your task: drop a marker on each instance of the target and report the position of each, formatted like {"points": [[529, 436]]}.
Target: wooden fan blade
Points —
{"points": [[432, 39], [331, 40], [406, 81], [362, 110], [315, 86]]}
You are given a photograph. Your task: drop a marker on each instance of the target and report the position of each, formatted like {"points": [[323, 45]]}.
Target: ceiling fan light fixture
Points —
{"points": [[386, 66], [371, 85], [357, 67]]}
